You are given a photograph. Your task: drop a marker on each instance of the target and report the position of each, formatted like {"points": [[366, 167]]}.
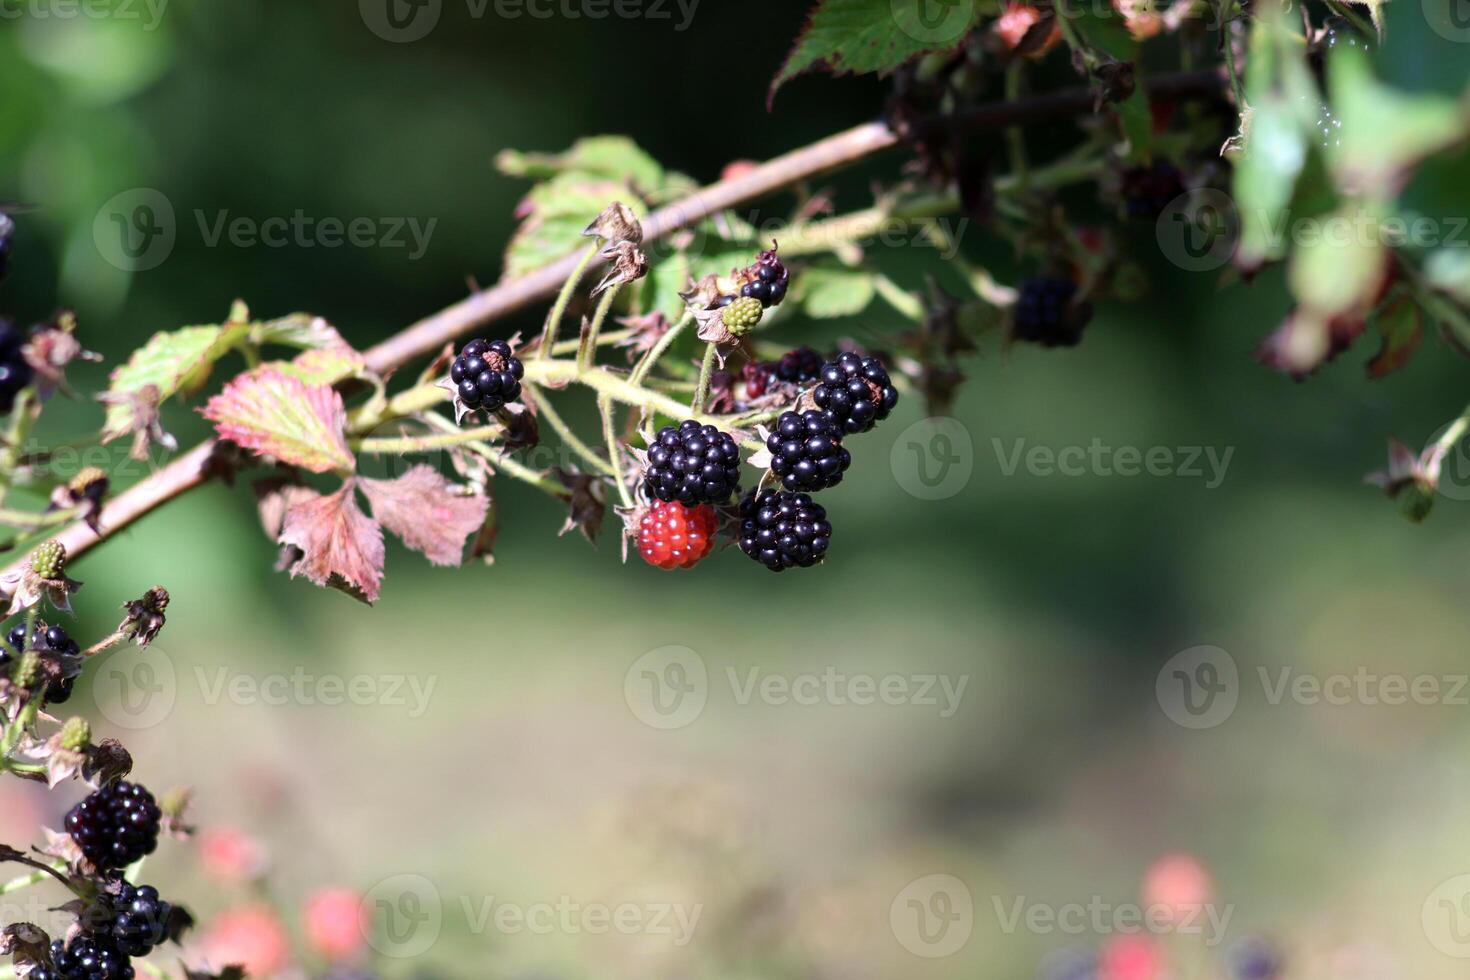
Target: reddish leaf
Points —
{"points": [[1401, 325], [340, 545], [274, 414], [423, 509]]}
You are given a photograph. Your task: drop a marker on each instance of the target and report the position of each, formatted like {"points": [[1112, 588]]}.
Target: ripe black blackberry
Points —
{"points": [[693, 464], [140, 920], [1148, 191], [806, 451], [1046, 312], [116, 825], [15, 372], [782, 530], [88, 958], [855, 393], [799, 366], [768, 279], [487, 375], [49, 639]]}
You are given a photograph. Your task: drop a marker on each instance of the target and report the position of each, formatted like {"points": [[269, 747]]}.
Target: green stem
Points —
{"points": [[1015, 135], [706, 370], [569, 437], [563, 298], [641, 369], [504, 463], [610, 436], [21, 419], [1229, 42], [422, 444], [32, 522], [586, 352]]}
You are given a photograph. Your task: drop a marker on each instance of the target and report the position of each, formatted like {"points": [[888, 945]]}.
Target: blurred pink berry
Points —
{"points": [[1177, 883], [230, 854], [1129, 958], [334, 922], [251, 936]]}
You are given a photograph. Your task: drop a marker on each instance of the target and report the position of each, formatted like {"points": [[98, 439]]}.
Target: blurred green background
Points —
{"points": [[1325, 829]]}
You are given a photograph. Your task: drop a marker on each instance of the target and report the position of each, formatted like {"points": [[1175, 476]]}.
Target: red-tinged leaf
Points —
{"points": [[1401, 325], [340, 546], [427, 513], [277, 415]]}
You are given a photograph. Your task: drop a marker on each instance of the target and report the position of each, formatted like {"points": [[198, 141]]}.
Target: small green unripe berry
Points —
{"points": [[742, 315], [49, 559], [76, 734], [27, 669], [1415, 501]]}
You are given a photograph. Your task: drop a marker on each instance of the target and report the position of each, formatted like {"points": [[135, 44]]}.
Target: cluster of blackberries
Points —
{"points": [[1147, 191], [47, 639], [116, 825], [15, 370], [796, 367], [139, 919], [1047, 313], [782, 530], [486, 376], [806, 451], [693, 464], [855, 393], [766, 280], [88, 958]]}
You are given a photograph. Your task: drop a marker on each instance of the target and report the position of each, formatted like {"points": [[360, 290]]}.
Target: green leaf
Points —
{"points": [[595, 157], [171, 362], [557, 212], [1448, 270], [1338, 264], [1384, 133], [825, 292], [860, 37]]}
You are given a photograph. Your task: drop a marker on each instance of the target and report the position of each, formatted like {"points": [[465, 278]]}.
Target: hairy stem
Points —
{"points": [[706, 370], [572, 440], [587, 351], [388, 446], [614, 452], [563, 298]]}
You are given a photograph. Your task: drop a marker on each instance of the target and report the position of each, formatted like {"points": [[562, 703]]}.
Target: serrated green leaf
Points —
{"points": [[825, 293], [173, 362], [297, 330], [1104, 29], [859, 37], [557, 212]]}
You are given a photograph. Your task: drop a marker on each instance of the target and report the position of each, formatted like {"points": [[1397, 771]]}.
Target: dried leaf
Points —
{"points": [[277, 415], [340, 546], [427, 512]]}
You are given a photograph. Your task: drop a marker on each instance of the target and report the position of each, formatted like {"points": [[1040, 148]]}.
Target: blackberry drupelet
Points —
{"points": [[672, 535], [487, 375], [1149, 190], [88, 959], [693, 464], [782, 530], [15, 372], [799, 366], [1046, 313], [52, 639], [140, 920], [856, 392], [116, 825], [806, 451], [742, 315]]}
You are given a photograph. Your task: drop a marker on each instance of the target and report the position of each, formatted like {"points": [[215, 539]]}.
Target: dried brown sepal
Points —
{"points": [[141, 409], [712, 327], [703, 293], [521, 428], [585, 504], [645, 333], [617, 223], [62, 763], [27, 944], [105, 762], [51, 348], [629, 263], [145, 616], [25, 588]]}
